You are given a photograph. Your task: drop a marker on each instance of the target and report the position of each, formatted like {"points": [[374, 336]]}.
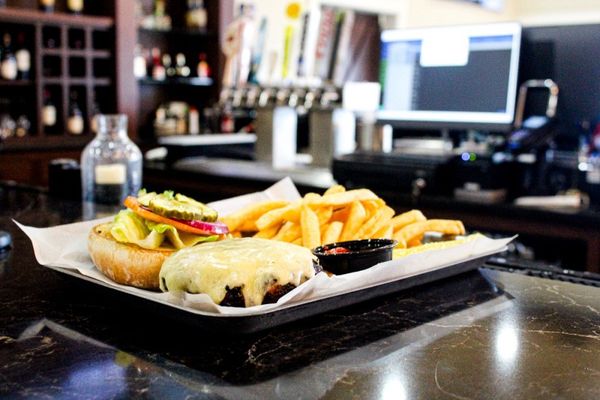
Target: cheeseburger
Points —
{"points": [[239, 272], [132, 248]]}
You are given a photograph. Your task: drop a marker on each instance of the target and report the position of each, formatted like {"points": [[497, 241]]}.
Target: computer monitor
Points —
{"points": [[458, 77]]}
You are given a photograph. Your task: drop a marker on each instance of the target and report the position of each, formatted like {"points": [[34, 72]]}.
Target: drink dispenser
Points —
{"points": [[276, 128], [332, 129]]}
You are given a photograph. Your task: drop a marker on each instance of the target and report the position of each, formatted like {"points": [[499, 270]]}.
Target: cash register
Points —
{"points": [[445, 79]]}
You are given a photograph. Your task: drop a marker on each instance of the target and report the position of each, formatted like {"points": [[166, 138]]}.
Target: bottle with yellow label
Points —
{"points": [[47, 5], [75, 6]]}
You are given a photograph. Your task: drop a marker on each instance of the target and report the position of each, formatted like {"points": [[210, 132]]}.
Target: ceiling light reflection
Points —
{"points": [[393, 389], [507, 345]]}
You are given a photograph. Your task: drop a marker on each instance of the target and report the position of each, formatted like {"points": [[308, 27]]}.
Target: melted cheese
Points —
{"points": [[248, 263]]}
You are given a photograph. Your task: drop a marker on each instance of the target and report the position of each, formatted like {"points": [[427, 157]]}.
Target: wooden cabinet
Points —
{"points": [[195, 91], [72, 61], [91, 57]]}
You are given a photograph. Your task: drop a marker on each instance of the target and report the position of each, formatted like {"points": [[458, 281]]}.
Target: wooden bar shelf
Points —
{"points": [[17, 83], [178, 81], [26, 16]]}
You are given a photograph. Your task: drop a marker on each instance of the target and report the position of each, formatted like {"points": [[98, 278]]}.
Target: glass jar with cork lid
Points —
{"points": [[111, 164]]}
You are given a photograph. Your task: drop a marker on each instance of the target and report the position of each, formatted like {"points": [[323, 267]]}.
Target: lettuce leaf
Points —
{"points": [[128, 227], [179, 239]]}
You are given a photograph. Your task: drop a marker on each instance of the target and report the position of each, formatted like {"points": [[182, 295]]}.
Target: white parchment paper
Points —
{"points": [[64, 248]]}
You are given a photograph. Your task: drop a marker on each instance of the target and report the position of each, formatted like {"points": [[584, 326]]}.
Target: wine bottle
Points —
{"points": [[49, 114], [75, 123], [47, 5], [23, 126], [203, 69], [162, 20], [8, 60], [193, 121], [182, 69], [158, 70], [196, 17], [168, 65], [23, 56], [95, 112], [139, 63], [75, 6]]}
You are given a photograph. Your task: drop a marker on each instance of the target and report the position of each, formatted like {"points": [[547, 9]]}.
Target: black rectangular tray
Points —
{"points": [[228, 324]]}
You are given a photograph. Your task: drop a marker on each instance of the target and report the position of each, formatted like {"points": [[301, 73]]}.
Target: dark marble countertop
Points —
{"points": [[480, 335]]}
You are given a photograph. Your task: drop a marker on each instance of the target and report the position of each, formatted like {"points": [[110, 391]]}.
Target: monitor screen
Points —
{"points": [[456, 77]]}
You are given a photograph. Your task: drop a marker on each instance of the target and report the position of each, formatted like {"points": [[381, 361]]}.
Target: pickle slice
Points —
{"points": [[172, 208], [209, 215], [144, 197]]}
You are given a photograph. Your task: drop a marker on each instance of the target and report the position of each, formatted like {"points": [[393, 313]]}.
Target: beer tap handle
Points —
{"points": [[251, 97], [263, 98], [238, 95]]}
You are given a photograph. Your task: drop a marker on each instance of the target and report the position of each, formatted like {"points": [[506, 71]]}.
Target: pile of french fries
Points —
{"points": [[337, 215]]}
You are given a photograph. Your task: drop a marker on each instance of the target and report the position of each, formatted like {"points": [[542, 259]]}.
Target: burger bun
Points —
{"points": [[124, 263]]}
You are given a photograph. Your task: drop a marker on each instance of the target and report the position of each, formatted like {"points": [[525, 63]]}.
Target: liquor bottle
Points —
{"points": [[49, 114], [168, 65], [193, 121], [8, 61], [23, 57], [111, 164], [7, 124], [158, 70], [196, 17], [227, 120], [75, 124], [140, 69], [203, 69], [75, 6], [182, 69], [95, 112], [162, 20], [23, 126], [47, 5]]}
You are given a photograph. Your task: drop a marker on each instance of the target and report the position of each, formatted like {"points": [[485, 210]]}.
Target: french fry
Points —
{"points": [[381, 219], [445, 226], [333, 232], [372, 206], [309, 222], [248, 226], [385, 232], [343, 198], [341, 214], [310, 198], [356, 217], [289, 232], [337, 215], [409, 217], [268, 233], [276, 216], [334, 189], [251, 213], [324, 214], [414, 242]]}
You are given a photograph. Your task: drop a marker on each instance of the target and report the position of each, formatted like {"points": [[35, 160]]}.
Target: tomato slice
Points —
{"points": [[195, 227]]}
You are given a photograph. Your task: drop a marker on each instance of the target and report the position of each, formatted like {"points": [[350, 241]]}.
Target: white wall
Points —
{"points": [[448, 12], [558, 12]]}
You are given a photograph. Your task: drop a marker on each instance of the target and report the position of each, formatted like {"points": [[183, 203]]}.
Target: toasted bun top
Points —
{"points": [[127, 264], [249, 263]]}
